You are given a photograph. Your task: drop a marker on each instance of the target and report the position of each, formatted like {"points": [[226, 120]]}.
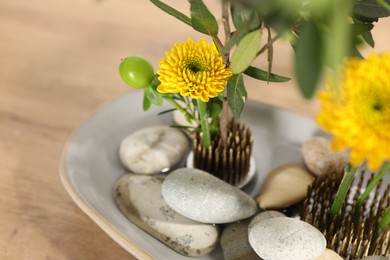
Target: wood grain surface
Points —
{"points": [[58, 63]]}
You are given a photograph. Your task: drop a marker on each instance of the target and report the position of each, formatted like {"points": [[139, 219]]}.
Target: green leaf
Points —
{"points": [[167, 111], [263, 75], [242, 16], [214, 107], [338, 40], [371, 9], [245, 52], [235, 39], [202, 19], [235, 94], [153, 95], [183, 127], [308, 59], [146, 102], [171, 11], [367, 36], [360, 28], [354, 52]]}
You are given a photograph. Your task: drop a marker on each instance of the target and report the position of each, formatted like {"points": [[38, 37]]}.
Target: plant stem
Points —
{"points": [[182, 110], [269, 55], [386, 220], [218, 44], [267, 45], [349, 173], [373, 183], [202, 108], [223, 121], [226, 25]]}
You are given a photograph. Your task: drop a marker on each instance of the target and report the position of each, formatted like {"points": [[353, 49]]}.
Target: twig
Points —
{"points": [[268, 44], [223, 121], [270, 54]]}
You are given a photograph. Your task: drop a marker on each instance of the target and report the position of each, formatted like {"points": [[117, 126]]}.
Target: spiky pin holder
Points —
{"points": [[352, 237], [228, 162]]}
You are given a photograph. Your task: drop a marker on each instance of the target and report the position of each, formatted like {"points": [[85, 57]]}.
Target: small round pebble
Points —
{"points": [[234, 242], [284, 238], [319, 157], [203, 197], [265, 215], [153, 149]]}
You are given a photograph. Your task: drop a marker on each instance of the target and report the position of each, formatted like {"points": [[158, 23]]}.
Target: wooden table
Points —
{"points": [[58, 63]]}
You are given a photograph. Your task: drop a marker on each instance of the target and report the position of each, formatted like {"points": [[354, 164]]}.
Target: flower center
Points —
{"points": [[376, 104], [195, 66], [377, 107], [370, 108]]}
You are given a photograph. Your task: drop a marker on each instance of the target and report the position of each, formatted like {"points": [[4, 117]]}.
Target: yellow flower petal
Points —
{"points": [[193, 69], [357, 110]]}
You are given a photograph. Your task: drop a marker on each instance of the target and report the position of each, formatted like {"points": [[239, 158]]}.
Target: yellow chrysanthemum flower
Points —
{"points": [[193, 69], [357, 111]]}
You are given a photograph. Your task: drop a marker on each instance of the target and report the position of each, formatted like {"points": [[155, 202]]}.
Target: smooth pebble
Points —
{"points": [[235, 244], [265, 215], [284, 186], [153, 149], [320, 158], [284, 238], [139, 198], [203, 197]]}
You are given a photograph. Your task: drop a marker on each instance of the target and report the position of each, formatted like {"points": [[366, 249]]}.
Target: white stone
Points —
{"points": [[284, 186], [284, 238], [153, 149], [203, 197], [329, 255], [139, 198], [320, 158], [265, 215], [235, 244]]}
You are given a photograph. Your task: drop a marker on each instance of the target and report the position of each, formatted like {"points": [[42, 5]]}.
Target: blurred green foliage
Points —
{"points": [[321, 32]]}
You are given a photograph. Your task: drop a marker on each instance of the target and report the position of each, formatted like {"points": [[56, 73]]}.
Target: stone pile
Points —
{"points": [[192, 211]]}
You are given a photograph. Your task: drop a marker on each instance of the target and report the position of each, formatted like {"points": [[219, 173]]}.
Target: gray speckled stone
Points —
{"points": [[153, 149], [203, 197], [139, 198], [265, 215], [235, 244], [284, 238], [320, 158]]}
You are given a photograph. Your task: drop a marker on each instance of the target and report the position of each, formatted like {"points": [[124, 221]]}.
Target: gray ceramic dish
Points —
{"points": [[91, 165]]}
